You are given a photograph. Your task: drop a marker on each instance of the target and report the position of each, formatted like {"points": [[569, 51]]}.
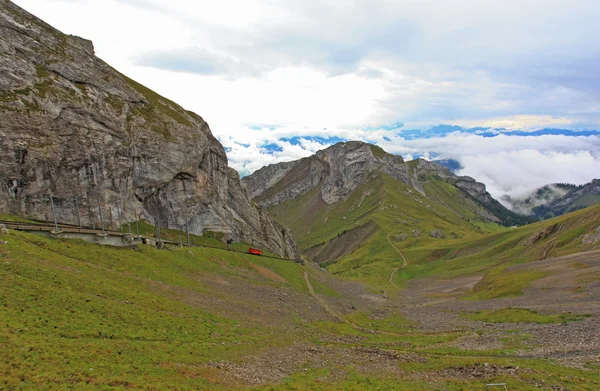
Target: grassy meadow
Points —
{"points": [[75, 315]]}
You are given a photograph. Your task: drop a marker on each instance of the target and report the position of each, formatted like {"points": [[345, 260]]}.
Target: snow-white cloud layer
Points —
{"points": [[280, 79]]}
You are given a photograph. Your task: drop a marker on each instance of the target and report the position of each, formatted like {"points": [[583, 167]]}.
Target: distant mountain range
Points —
{"points": [[555, 199]]}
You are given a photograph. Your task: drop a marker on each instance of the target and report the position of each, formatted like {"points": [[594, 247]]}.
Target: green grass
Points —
{"points": [[523, 315], [493, 253], [82, 315], [159, 111], [378, 151], [498, 283], [16, 219], [208, 238], [393, 322], [472, 244], [397, 209]]}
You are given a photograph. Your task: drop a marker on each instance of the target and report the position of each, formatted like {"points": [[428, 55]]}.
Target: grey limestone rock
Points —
{"points": [[401, 237], [342, 168], [339, 169], [72, 126], [437, 233]]}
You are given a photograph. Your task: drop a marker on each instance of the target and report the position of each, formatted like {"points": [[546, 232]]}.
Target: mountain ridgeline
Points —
{"points": [[73, 128], [556, 199], [344, 195]]}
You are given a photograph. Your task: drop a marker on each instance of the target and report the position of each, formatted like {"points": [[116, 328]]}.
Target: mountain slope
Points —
{"points": [[351, 191], [555, 199], [489, 253], [577, 197], [74, 128], [85, 316]]}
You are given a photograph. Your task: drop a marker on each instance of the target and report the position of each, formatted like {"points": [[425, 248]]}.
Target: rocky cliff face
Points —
{"points": [[74, 128], [268, 176], [339, 170], [342, 168]]}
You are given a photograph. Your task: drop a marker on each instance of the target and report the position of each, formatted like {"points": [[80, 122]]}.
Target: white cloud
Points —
{"points": [[521, 122], [513, 165], [334, 68], [335, 64], [518, 173]]}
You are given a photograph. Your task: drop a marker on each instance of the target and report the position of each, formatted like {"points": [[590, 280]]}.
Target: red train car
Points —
{"points": [[254, 251]]}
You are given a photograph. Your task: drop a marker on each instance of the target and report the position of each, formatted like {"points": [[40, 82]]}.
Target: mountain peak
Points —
{"points": [[339, 170]]}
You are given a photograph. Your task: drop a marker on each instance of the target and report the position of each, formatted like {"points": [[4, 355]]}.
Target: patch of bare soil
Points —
{"points": [[343, 244], [352, 296], [478, 371], [571, 286], [476, 341], [274, 364], [269, 274]]}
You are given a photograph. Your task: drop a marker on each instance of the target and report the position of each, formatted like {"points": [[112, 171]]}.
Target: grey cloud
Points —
{"points": [[502, 58], [148, 5], [196, 60], [370, 73]]}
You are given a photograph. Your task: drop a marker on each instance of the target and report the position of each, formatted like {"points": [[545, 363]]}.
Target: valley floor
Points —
{"points": [[80, 316]]}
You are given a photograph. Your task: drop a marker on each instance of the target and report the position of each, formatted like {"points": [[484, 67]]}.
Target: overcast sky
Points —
{"points": [[279, 79]]}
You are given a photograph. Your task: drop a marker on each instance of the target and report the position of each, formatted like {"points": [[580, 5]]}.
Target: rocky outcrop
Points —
{"points": [[73, 128], [475, 189], [349, 166], [268, 176], [593, 237], [305, 175], [339, 170]]}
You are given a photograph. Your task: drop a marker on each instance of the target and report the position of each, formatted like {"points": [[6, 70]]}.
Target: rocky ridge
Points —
{"points": [[343, 167], [73, 128]]}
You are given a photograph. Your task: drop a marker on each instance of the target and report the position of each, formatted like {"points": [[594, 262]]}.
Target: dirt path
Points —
{"points": [[334, 313], [337, 315], [404, 263], [324, 303]]}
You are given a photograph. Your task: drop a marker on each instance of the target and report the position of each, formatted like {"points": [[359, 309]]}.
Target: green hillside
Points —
{"points": [[76, 314], [444, 233], [82, 316], [392, 206], [472, 254]]}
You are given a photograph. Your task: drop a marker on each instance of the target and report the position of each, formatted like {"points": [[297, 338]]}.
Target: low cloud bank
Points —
{"points": [[509, 163]]}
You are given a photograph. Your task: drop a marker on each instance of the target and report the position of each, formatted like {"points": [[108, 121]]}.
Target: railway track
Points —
{"points": [[42, 226]]}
